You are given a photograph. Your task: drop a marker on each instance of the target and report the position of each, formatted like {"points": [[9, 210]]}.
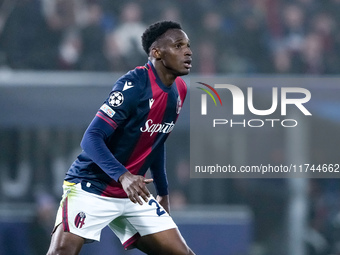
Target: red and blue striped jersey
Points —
{"points": [[128, 133]]}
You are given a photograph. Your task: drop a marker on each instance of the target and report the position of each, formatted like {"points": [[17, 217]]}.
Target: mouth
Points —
{"points": [[187, 63]]}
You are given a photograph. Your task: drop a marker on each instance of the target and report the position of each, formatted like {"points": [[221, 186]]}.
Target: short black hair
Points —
{"points": [[154, 31]]}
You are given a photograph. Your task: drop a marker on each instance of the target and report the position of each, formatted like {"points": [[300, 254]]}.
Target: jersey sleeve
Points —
{"points": [[158, 172], [93, 144], [122, 101], [120, 104]]}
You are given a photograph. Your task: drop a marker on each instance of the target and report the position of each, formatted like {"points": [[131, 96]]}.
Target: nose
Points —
{"points": [[188, 51]]}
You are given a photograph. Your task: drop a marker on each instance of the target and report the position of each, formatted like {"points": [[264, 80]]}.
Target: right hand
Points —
{"points": [[135, 187]]}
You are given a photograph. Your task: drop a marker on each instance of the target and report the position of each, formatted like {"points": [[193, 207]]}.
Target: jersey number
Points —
{"points": [[159, 210]]}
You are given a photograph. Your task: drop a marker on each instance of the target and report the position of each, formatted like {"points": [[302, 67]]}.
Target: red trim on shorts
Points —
{"points": [[129, 244], [65, 216]]}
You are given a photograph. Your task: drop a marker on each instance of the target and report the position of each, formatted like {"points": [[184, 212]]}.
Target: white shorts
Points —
{"points": [[86, 214]]}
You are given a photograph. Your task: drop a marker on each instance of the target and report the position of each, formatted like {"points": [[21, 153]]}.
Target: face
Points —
{"points": [[174, 52]]}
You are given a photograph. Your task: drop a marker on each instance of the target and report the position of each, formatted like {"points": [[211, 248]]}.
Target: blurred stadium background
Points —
{"points": [[59, 59]]}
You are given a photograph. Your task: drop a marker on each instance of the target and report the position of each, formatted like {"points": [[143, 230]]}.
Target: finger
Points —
{"points": [[144, 193], [133, 195], [147, 181], [135, 198], [132, 198], [139, 201], [140, 192]]}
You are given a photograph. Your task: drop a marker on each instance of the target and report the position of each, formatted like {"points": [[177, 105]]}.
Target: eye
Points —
{"points": [[178, 46]]}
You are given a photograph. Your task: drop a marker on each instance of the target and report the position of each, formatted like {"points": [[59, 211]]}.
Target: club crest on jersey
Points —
{"points": [[179, 105], [116, 99], [79, 220]]}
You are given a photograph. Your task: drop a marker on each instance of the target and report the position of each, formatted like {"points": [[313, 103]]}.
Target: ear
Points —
{"points": [[156, 53]]}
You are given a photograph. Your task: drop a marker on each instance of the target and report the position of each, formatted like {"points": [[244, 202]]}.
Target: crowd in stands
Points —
{"points": [[236, 36]]}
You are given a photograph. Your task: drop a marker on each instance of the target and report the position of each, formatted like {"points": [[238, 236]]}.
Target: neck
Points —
{"points": [[163, 73]]}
